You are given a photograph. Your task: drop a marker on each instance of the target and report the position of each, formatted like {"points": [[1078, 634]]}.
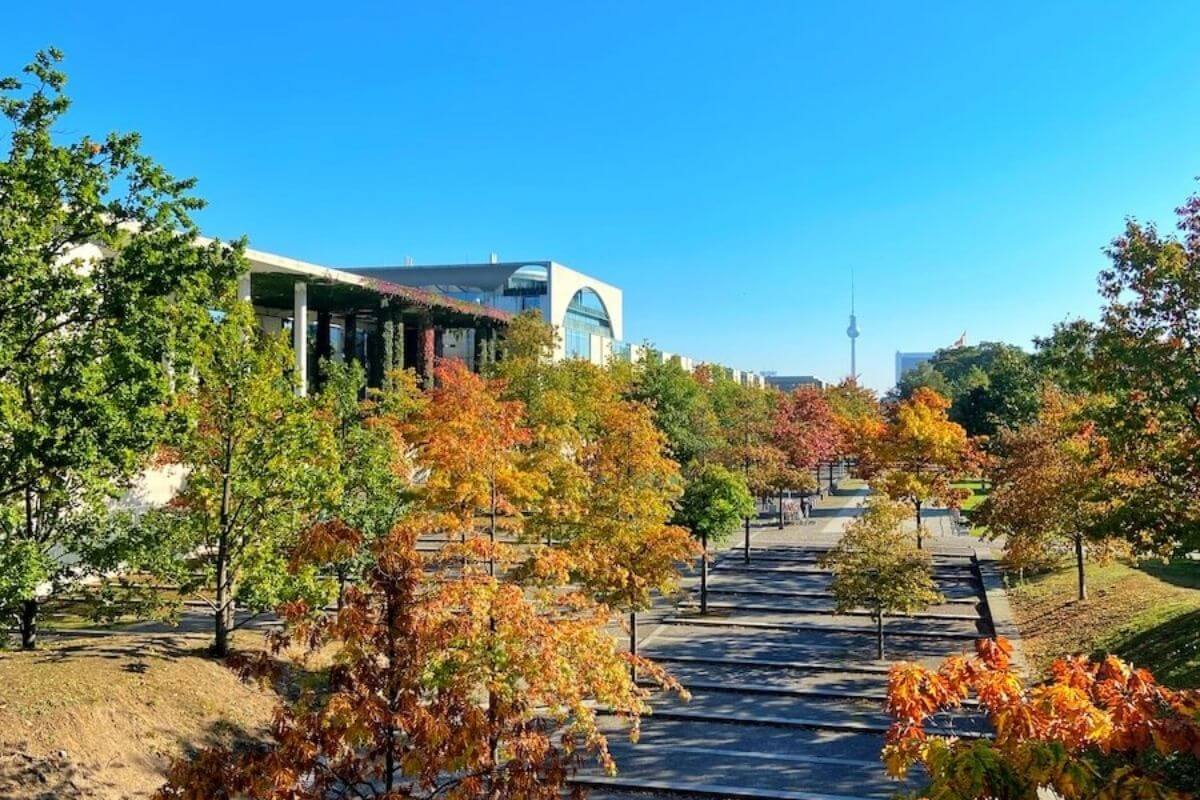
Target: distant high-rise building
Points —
{"points": [[906, 362]]}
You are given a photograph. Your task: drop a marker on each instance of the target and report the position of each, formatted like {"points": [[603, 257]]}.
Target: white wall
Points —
{"points": [[565, 282]]}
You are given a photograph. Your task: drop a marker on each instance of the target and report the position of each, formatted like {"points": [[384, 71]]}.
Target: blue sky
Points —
{"points": [[726, 164]]}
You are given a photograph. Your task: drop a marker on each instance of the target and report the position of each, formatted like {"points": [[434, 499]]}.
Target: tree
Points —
{"points": [[713, 504], [1093, 729], [746, 416], [807, 433], [876, 567], [681, 408], [261, 466], [102, 280], [373, 468], [627, 549], [990, 385], [1148, 359], [469, 439], [1051, 485], [400, 714], [919, 452]]}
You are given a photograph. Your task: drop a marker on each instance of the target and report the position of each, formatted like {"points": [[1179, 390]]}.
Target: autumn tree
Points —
{"points": [[876, 567], [859, 418], [627, 549], [260, 467], [102, 280], [469, 438], [919, 454], [399, 714], [562, 401], [1053, 483], [1093, 729], [714, 502], [806, 429]]}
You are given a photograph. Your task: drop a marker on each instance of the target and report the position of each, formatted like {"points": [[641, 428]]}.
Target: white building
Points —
{"points": [[586, 312]]}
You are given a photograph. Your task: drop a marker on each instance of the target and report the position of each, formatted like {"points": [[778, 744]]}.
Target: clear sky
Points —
{"points": [[726, 164]]}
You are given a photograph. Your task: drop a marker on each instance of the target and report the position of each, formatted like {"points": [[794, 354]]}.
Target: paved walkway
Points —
{"points": [[787, 695]]}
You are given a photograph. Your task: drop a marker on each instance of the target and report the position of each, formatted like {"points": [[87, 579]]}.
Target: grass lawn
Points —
{"points": [[975, 487], [1147, 614]]}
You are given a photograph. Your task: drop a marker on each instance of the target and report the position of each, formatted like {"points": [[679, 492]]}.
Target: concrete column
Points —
{"points": [[428, 350], [350, 339], [243, 288], [300, 335], [480, 349]]}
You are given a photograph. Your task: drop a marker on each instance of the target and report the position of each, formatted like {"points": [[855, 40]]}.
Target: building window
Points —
{"points": [[578, 344]]}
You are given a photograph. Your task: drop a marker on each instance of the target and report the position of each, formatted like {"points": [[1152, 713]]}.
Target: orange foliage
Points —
{"points": [[1093, 729]]}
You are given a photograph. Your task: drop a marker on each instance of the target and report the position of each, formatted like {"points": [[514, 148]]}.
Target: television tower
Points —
{"points": [[852, 332]]}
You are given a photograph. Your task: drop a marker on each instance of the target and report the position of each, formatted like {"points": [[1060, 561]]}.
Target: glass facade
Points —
{"points": [[525, 290], [586, 315]]}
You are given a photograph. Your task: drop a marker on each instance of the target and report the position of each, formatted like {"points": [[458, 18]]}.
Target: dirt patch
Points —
{"points": [[103, 717]]}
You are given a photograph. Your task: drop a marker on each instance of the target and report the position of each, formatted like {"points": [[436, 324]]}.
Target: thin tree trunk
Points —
{"points": [[389, 756], [29, 629], [879, 633], [633, 644], [221, 625], [704, 572], [746, 543], [781, 509], [492, 535], [222, 618], [1079, 566], [29, 607], [917, 503]]}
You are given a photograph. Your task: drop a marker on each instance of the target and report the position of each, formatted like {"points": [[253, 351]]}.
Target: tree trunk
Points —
{"points": [[29, 607], [1079, 566], [831, 486], [704, 572], [917, 503], [29, 631], [746, 543], [879, 633], [633, 644], [221, 617], [781, 509], [492, 534]]}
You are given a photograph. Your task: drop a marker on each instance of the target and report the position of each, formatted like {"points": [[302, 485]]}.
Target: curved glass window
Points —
{"points": [[586, 315]]}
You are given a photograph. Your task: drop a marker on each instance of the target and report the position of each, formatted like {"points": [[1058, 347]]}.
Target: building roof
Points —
{"points": [[270, 263]]}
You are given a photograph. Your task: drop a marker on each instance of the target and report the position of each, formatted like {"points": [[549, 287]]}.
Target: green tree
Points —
{"points": [[681, 407], [261, 467], [875, 566], [1148, 359], [714, 501], [102, 282], [990, 385], [372, 469]]}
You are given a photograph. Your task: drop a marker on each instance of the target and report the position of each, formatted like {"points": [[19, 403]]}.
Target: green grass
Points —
{"points": [[975, 487], [1148, 614]]}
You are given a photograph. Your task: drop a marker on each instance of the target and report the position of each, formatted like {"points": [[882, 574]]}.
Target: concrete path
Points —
{"points": [[787, 696]]}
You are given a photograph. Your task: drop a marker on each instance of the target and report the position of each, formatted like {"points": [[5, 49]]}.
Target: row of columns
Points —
{"points": [[391, 341]]}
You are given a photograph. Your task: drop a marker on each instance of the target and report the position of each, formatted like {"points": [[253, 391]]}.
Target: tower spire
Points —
{"points": [[852, 332]]}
